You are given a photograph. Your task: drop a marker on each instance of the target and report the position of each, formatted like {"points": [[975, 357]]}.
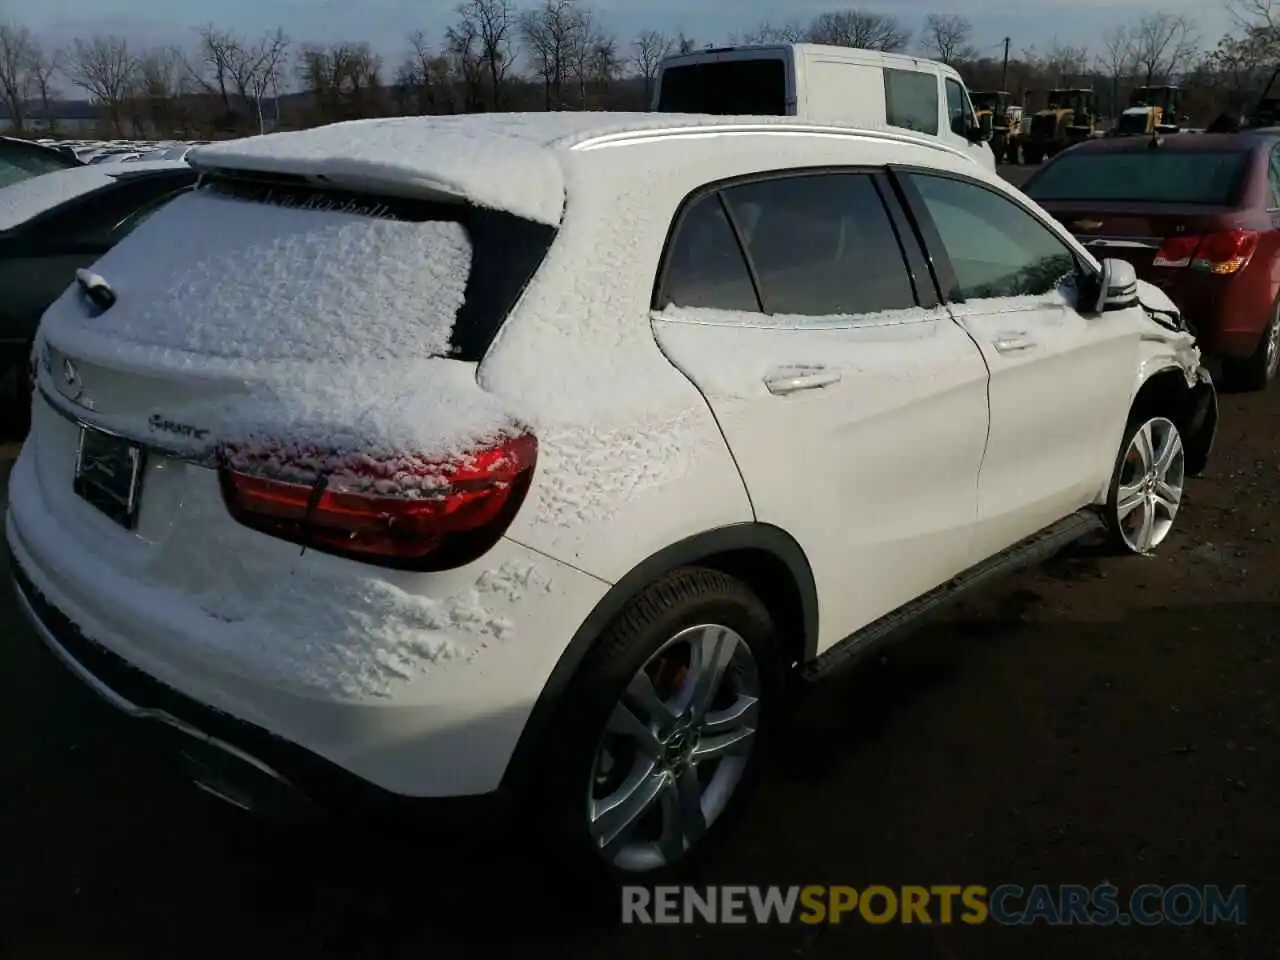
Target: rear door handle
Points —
{"points": [[793, 380], [1012, 343]]}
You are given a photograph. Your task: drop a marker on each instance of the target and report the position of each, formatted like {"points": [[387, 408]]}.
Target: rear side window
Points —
{"points": [[20, 162], [1148, 176], [911, 100], [1273, 177], [705, 267], [756, 87], [822, 245]]}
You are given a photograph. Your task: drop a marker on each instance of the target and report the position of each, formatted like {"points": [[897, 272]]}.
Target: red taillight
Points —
{"points": [[1222, 253], [402, 511]]}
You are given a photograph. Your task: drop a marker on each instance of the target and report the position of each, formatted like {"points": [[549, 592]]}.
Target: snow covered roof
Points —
{"points": [[29, 198], [502, 161]]}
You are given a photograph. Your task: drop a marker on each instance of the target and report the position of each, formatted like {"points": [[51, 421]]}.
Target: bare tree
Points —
{"points": [[1236, 65], [46, 63], [155, 104], [463, 43], [344, 80], [685, 44], [592, 56], [1065, 64], [859, 28], [790, 32], [946, 37], [257, 67], [550, 35], [1163, 46], [104, 68], [426, 73], [492, 25], [1116, 62], [648, 50], [17, 52]]}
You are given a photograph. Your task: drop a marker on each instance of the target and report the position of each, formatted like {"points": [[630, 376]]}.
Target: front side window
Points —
{"points": [[996, 248], [911, 100], [958, 109], [1273, 177], [822, 245]]}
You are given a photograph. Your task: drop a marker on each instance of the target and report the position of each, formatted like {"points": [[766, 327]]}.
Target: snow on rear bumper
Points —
{"points": [[448, 732]]}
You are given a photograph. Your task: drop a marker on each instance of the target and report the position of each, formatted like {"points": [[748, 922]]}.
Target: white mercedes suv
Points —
{"points": [[528, 456]]}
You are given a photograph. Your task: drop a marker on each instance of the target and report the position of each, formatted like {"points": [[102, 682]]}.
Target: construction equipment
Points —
{"points": [[1152, 110], [1001, 120], [1067, 119]]}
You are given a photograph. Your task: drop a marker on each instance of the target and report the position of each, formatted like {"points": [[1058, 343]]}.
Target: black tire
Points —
{"points": [[1137, 420], [1256, 372], [15, 403], [1032, 155], [682, 599]]}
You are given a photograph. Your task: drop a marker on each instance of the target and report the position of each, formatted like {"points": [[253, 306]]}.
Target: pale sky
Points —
{"points": [[385, 23]]}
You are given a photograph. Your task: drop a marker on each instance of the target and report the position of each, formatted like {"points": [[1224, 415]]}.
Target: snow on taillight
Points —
{"points": [[1223, 253], [404, 511]]}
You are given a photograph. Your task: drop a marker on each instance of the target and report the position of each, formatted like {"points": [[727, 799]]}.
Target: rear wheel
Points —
{"points": [[1255, 372], [661, 734], [1146, 487]]}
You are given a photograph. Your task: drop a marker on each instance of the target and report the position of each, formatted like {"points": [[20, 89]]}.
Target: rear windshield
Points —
{"points": [[1148, 176], [18, 162], [755, 87], [265, 270]]}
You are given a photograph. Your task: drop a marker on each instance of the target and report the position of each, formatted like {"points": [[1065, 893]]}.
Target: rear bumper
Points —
{"points": [[230, 758]]}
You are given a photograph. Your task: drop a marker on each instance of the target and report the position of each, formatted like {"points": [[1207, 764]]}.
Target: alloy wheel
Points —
{"points": [[1152, 474], [1273, 346], [674, 749]]}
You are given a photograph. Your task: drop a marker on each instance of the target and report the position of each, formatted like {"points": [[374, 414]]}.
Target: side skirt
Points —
{"points": [[906, 619]]}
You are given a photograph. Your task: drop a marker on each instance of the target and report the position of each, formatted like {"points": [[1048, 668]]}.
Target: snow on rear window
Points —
{"points": [[224, 277]]}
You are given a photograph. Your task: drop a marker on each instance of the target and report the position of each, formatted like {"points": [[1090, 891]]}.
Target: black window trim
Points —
{"points": [[914, 257], [928, 235]]}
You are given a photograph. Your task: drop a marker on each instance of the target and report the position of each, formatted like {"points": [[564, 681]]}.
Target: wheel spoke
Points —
{"points": [[683, 823], [624, 723], [1128, 499], [1142, 442], [1168, 453], [1147, 530], [710, 654], [1168, 496], [615, 818], [645, 702]]}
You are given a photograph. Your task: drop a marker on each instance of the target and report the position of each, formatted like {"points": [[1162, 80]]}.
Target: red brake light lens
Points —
{"points": [[1227, 252], [403, 512], [1222, 253]]}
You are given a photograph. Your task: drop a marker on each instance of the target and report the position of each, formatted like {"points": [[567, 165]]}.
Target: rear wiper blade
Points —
{"points": [[96, 289]]}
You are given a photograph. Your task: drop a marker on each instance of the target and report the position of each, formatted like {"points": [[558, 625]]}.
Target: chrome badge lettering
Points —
{"points": [[164, 425], [72, 387]]}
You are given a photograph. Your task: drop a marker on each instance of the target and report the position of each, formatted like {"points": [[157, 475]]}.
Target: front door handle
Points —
{"points": [[1012, 343], [794, 379]]}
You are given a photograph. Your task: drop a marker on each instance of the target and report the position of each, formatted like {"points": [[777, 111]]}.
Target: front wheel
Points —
{"points": [[660, 736], [1146, 487]]}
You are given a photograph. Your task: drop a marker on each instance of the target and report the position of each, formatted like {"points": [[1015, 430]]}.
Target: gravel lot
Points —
{"points": [[1094, 719]]}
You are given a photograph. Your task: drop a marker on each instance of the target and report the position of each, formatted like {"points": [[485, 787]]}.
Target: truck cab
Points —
{"points": [[827, 84]]}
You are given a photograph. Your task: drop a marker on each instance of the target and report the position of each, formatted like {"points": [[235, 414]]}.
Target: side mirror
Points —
{"points": [[1117, 287], [977, 134]]}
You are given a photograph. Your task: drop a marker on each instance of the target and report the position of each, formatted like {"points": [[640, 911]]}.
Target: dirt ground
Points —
{"points": [[1095, 719]]}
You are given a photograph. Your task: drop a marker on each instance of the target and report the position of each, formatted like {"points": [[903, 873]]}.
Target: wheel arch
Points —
{"points": [[763, 556], [1193, 407]]}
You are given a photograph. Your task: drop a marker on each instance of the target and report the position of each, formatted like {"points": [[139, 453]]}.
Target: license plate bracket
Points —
{"points": [[108, 474]]}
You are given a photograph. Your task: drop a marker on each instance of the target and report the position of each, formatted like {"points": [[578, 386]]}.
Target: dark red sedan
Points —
{"points": [[1196, 214]]}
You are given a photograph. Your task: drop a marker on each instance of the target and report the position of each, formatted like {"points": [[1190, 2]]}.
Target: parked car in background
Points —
{"points": [[530, 457], [49, 227], [1198, 216], [21, 159]]}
